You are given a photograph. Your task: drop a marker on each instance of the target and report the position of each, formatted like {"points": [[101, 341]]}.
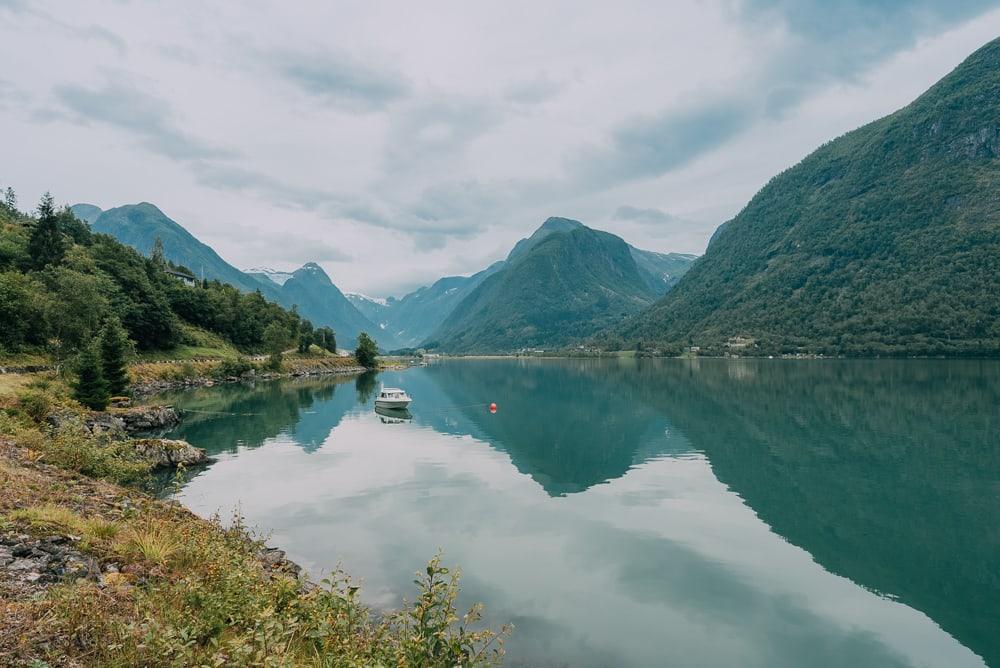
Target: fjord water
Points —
{"points": [[644, 512]]}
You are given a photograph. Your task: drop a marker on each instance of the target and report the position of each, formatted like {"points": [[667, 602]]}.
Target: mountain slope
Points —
{"points": [[321, 302], [418, 315], [86, 212], [884, 241], [309, 288], [138, 226], [566, 286], [661, 271]]}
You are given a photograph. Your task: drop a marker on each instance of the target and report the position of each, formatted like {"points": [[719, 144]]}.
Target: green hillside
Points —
{"points": [[884, 241], [317, 298], [568, 285], [60, 283]]}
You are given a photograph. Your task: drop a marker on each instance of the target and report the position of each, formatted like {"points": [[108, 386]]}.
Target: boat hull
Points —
{"points": [[392, 403]]}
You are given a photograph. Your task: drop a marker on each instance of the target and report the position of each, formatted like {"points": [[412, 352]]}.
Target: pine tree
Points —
{"points": [[157, 253], [90, 389], [10, 199], [367, 351], [114, 356], [46, 245]]}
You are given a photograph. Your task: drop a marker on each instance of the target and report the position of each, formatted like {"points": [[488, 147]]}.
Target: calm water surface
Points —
{"points": [[645, 513]]}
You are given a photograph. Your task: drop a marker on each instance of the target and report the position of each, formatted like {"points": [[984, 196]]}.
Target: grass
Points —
{"points": [[189, 591], [196, 344]]}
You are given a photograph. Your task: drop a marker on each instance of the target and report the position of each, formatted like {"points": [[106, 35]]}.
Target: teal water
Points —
{"points": [[644, 512]]}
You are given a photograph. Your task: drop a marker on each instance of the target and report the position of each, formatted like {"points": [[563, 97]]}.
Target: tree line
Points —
{"points": [[68, 292]]}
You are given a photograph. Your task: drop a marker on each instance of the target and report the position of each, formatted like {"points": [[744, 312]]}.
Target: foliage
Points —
{"points": [[233, 367], [306, 336], [325, 338], [115, 348], [275, 340], [367, 351], [90, 388], [884, 241], [59, 283], [46, 244]]}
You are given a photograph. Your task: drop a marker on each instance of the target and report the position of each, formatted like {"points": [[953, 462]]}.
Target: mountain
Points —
{"points": [[268, 274], [86, 212], [373, 308], [415, 317], [322, 302], [139, 225], [661, 271], [567, 282], [309, 288], [883, 241]]}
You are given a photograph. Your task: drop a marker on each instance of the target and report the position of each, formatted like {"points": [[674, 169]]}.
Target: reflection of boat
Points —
{"points": [[392, 397], [393, 415]]}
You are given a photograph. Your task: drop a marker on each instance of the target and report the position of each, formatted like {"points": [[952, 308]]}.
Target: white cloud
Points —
{"points": [[399, 143]]}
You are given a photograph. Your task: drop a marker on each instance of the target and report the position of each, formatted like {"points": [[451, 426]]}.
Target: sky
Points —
{"points": [[398, 142]]}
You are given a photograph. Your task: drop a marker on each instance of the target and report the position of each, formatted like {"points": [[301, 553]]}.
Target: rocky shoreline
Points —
{"points": [[148, 387]]}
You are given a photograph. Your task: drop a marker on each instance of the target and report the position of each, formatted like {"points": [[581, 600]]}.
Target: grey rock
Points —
{"points": [[168, 453], [25, 565]]}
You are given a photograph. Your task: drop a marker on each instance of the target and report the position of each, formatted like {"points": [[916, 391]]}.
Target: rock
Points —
{"points": [[21, 550], [148, 418], [6, 556], [168, 453], [25, 565]]}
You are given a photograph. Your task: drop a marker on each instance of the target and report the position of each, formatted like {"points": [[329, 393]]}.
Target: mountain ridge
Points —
{"points": [[882, 241]]}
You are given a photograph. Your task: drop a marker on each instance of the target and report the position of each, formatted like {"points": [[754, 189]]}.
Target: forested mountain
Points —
{"points": [[883, 241], [60, 283], [661, 271], [139, 225], [322, 302], [563, 285], [318, 299]]}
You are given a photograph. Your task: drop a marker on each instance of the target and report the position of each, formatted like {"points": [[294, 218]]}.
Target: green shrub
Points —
{"points": [[233, 367], [36, 405]]}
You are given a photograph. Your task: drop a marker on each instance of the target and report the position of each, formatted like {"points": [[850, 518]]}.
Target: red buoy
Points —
{"points": [[493, 408]]}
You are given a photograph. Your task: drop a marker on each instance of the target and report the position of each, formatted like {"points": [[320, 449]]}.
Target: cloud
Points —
{"points": [[147, 117], [341, 79], [646, 147], [533, 91], [645, 216], [436, 129], [104, 35], [825, 42]]}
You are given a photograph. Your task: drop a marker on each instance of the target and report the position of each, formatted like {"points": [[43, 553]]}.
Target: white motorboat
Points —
{"points": [[392, 397]]}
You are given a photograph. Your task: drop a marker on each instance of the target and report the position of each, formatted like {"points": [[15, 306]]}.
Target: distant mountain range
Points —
{"points": [[563, 283], [308, 288], [884, 241]]}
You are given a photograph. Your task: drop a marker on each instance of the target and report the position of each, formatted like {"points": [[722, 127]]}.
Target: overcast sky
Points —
{"points": [[395, 143]]}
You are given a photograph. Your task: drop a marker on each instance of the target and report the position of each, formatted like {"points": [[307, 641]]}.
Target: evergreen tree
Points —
{"points": [[114, 356], [367, 351], [306, 336], [10, 199], [326, 339], [90, 389], [156, 255], [46, 245]]}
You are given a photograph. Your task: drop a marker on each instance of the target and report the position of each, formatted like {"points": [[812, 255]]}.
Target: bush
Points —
{"points": [[36, 405], [233, 367]]}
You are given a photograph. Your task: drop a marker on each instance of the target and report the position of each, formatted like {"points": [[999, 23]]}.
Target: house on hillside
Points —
{"points": [[187, 279]]}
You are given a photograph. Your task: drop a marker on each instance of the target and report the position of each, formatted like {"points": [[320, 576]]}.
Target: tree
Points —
{"points": [[156, 255], [10, 199], [326, 339], [114, 356], [90, 389], [46, 245], [275, 339], [367, 351], [306, 336]]}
